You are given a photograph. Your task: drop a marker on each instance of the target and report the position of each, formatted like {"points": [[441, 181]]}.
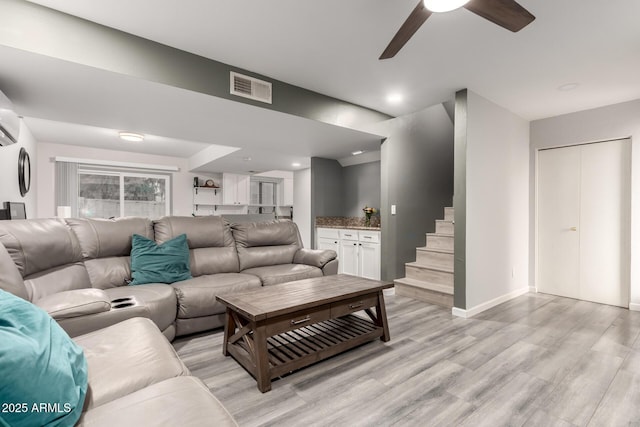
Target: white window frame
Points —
{"points": [[122, 173]]}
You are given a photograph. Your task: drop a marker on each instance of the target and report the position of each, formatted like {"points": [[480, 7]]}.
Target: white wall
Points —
{"points": [[9, 190], [182, 180], [599, 124], [302, 204], [497, 237]]}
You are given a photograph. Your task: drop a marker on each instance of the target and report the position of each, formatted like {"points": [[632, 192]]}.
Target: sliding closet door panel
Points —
{"points": [[604, 209], [558, 219]]}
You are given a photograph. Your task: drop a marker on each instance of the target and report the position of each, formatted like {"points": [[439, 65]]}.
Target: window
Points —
{"points": [[264, 195], [263, 192], [104, 193]]}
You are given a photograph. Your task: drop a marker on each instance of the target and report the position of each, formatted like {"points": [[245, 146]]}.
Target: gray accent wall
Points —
{"points": [[460, 201], [416, 176], [327, 191], [84, 42], [361, 187]]}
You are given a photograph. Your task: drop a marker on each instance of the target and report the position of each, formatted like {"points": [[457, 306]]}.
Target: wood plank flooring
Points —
{"points": [[537, 360]]}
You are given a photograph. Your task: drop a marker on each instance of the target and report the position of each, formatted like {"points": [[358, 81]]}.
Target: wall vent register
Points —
{"points": [[250, 87]]}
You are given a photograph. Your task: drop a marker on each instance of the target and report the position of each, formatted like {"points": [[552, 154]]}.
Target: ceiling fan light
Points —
{"points": [[444, 5]]}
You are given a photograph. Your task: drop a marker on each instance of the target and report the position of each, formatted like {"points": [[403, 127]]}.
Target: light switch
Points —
{"points": [[393, 209]]}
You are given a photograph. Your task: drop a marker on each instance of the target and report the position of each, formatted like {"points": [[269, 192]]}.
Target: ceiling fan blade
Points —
{"points": [[408, 29], [506, 13]]}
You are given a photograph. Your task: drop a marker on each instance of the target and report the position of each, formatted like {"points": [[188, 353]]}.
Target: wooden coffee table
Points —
{"points": [[278, 329]]}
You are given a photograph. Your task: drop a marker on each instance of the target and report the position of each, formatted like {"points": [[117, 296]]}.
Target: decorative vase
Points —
{"points": [[367, 220]]}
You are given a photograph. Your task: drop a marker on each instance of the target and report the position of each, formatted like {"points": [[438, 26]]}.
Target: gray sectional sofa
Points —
{"points": [[77, 269]]}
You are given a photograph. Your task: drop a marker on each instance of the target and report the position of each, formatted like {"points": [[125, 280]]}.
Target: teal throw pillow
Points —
{"points": [[43, 373], [165, 263]]}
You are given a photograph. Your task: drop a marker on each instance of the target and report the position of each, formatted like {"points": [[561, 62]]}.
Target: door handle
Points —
{"points": [[574, 229]]}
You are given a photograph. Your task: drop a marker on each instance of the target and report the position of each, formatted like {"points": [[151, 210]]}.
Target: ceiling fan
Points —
{"points": [[505, 13]]}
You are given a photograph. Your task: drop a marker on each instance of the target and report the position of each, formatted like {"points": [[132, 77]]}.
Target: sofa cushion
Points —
{"points": [[79, 302], [47, 255], [106, 246], [197, 297], [275, 274], [37, 245], [10, 278], [211, 244], [266, 243], [167, 262], [127, 357], [181, 401], [40, 364], [158, 299]]}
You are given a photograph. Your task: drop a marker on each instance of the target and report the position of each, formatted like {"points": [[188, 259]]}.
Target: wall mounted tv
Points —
{"points": [[9, 122]]}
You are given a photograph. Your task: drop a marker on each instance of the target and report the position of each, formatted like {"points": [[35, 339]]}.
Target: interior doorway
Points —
{"points": [[583, 221]]}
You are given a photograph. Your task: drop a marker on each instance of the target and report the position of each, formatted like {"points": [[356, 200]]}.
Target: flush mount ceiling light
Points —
{"points": [[295, 165], [568, 86], [131, 136], [394, 98], [444, 5], [355, 153]]}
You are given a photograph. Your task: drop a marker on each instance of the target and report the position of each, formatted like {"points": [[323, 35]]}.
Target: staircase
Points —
{"points": [[430, 277]]}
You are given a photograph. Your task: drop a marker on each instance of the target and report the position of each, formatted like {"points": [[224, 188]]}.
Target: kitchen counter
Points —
{"points": [[348, 222], [350, 227]]}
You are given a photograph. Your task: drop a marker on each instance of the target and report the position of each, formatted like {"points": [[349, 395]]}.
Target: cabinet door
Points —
{"points": [[243, 189], [236, 189], [369, 257], [325, 243], [229, 189], [348, 257]]}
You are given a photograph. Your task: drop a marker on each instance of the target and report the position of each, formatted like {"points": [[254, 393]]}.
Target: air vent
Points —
{"points": [[249, 87]]}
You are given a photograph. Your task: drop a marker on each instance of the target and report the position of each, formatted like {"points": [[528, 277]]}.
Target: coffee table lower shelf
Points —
{"points": [[292, 350]]}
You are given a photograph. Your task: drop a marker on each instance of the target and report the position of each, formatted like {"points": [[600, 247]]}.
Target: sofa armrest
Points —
{"points": [[315, 257], [79, 302]]}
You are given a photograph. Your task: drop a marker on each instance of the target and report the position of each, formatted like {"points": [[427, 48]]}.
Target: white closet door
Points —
{"points": [[604, 210], [558, 220], [583, 222]]}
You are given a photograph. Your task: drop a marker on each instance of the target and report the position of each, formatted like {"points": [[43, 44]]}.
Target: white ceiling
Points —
{"points": [[330, 46]]}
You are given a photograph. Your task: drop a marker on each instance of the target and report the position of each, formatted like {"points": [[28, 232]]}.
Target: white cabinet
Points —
{"points": [[369, 260], [325, 243], [348, 258], [358, 250], [237, 189]]}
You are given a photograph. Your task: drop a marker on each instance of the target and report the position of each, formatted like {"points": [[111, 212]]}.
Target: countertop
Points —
{"points": [[347, 227]]}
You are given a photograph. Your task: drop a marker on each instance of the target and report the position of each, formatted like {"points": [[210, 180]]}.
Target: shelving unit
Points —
{"points": [[206, 200]]}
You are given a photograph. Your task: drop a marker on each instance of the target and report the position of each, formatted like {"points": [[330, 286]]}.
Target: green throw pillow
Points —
{"points": [[43, 373], [165, 263]]}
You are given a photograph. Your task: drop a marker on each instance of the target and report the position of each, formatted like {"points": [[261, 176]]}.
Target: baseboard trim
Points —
{"points": [[390, 291], [634, 307], [459, 312], [532, 289]]}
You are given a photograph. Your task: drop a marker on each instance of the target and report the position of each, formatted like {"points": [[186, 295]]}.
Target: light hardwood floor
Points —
{"points": [[537, 360]]}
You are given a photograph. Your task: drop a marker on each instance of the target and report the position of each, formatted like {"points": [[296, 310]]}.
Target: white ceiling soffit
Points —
{"points": [[97, 137], [332, 47], [367, 157], [54, 90]]}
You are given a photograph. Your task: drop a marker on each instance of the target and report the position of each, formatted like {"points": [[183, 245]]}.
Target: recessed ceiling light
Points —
{"points": [[131, 137], [295, 165], [568, 86], [394, 98], [444, 5], [246, 159], [355, 153]]}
